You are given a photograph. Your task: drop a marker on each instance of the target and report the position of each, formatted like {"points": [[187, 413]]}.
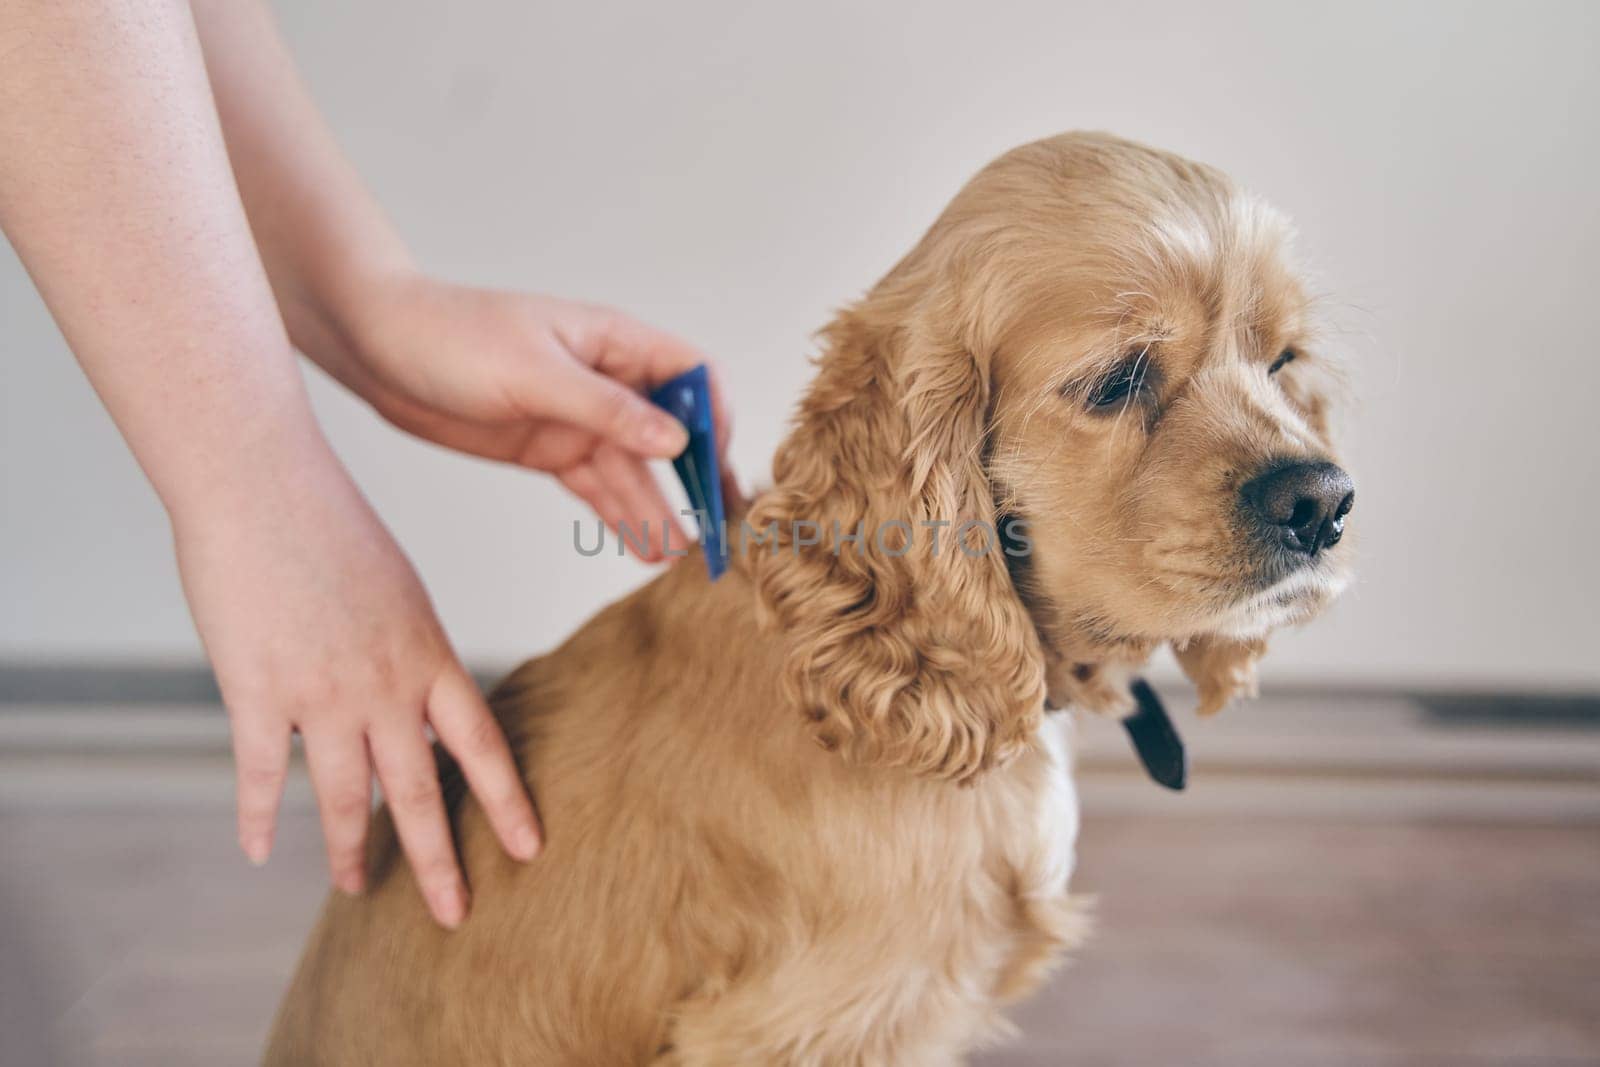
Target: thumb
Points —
{"points": [[606, 407]]}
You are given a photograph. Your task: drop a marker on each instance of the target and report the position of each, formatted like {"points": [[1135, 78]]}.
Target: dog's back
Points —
{"points": [[713, 883]]}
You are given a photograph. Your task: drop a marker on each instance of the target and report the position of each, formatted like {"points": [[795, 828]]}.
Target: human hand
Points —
{"points": [[532, 380], [315, 621]]}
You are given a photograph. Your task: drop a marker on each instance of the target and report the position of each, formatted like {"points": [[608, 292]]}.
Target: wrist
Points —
{"points": [[266, 463], [334, 314]]}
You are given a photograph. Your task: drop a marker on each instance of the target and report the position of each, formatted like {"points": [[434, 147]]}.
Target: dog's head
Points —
{"points": [[1086, 416]]}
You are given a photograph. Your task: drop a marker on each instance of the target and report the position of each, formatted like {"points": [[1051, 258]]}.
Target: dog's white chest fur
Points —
{"points": [[1058, 801]]}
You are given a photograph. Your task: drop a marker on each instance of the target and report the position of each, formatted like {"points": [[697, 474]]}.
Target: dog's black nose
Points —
{"points": [[1303, 505]]}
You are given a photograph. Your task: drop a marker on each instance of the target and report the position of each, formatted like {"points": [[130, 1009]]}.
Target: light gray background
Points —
{"points": [[736, 171]]}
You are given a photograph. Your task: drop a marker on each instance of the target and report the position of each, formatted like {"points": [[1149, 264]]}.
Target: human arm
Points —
{"points": [[115, 190], [548, 384]]}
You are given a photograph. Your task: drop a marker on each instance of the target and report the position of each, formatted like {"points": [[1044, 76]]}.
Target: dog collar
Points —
{"points": [[1155, 739]]}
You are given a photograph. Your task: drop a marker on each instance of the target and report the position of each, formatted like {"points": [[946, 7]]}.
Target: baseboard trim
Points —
{"points": [[104, 683], [101, 683], [104, 736]]}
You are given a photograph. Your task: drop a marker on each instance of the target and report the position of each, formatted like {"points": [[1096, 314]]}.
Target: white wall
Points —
{"points": [[735, 171]]}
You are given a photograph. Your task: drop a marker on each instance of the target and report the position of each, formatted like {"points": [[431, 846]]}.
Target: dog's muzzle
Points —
{"points": [[1300, 506]]}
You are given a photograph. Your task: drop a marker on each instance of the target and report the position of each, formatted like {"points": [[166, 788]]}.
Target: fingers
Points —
{"points": [[261, 755], [584, 482], [622, 491], [410, 780], [645, 356], [625, 355], [644, 353], [586, 398], [623, 349], [469, 730], [641, 354], [341, 757], [342, 776], [650, 518]]}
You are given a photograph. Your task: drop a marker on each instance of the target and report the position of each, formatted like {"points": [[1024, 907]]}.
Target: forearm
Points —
{"points": [[116, 192], [323, 237]]}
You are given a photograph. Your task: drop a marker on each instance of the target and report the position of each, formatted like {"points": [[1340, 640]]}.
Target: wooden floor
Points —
{"points": [[1345, 883], [142, 940], [1299, 942]]}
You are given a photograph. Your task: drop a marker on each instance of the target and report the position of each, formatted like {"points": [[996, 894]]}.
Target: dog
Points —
{"points": [[816, 812]]}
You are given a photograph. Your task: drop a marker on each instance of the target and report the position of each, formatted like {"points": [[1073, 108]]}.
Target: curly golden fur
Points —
{"points": [[815, 813]]}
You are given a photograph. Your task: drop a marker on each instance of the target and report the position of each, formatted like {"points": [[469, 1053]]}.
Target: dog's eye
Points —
{"points": [[1124, 381], [1284, 358]]}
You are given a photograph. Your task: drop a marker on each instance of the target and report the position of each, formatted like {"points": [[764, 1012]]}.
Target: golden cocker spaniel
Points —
{"points": [[815, 812]]}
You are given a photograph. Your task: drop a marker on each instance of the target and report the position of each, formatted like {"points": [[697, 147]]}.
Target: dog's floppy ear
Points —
{"points": [[898, 654], [1221, 668]]}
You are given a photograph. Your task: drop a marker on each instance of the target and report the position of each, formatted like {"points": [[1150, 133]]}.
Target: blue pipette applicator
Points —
{"points": [[687, 398]]}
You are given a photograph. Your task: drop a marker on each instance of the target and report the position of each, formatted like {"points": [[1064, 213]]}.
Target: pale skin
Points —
{"points": [[189, 233]]}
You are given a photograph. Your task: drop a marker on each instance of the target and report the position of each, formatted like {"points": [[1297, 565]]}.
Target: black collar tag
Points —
{"points": [[1156, 739]]}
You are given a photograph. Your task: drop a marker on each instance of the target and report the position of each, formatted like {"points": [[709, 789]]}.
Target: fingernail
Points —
{"points": [[450, 905], [256, 850], [524, 843], [663, 435]]}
